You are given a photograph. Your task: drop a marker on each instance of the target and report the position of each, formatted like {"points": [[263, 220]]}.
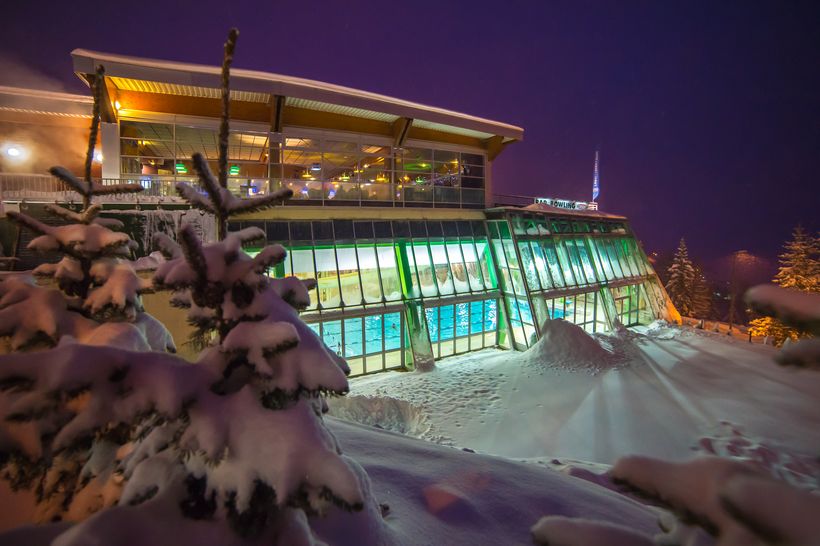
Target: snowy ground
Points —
{"points": [[664, 392]]}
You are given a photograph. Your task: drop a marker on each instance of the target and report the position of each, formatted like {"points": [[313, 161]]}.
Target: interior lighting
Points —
{"points": [[13, 151], [234, 170], [98, 157], [117, 105], [181, 169]]}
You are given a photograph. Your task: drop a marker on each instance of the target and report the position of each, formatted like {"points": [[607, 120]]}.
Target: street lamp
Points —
{"points": [[743, 256]]}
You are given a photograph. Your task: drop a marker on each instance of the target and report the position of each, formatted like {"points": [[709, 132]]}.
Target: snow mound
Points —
{"points": [[382, 412], [567, 346]]}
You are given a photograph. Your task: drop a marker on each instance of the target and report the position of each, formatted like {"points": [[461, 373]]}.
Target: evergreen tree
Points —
{"points": [[800, 263], [681, 279], [799, 270], [701, 295], [230, 450]]}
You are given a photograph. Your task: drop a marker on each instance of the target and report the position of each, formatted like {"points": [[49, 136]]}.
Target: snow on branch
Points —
{"points": [[76, 240], [167, 246], [84, 217], [794, 308]]}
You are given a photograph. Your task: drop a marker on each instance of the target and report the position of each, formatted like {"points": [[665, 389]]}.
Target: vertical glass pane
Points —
{"points": [[540, 265], [487, 268], [327, 278], [301, 261], [432, 322], [462, 319], [528, 263], [349, 275], [407, 264], [315, 327], [332, 335], [353, 337], [392, 331], [458, 267], [425, 270], [490, 315], [613, 258], [476, 317], [373, 334], [603, 258], [369, 273], [586, 263], [566, 266], [473, 268], [441, 265], [572, 252], [391, 285], [552, 262], [447, 319]]}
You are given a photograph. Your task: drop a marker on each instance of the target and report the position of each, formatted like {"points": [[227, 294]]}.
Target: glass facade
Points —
{"points": [[399, 293], [583, 270], [318, 167], [392, 293]]}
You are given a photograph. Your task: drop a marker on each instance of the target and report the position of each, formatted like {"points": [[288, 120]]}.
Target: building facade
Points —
{"points": [[393, 211]]}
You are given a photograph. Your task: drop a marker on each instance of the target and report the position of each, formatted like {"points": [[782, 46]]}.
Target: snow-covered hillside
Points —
{"points": [[664, 391]]}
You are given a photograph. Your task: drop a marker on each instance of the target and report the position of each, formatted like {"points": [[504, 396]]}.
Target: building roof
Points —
{"points": [[52, 103], [135, 74]]}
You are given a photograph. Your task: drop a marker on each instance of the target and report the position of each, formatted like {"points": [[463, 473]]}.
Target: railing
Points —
{"points": [[162, 190]]}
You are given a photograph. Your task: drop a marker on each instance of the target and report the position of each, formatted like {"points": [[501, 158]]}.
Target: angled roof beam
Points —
{"points": [[400, 128], [494, 146], [277, 107], [108, 112]]}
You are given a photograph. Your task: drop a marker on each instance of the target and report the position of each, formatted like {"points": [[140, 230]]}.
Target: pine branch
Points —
{"points": [[192, 251], [167, 246], [260, 203], [224, 127], [194, 198], [27, 221], [209, 182], [82, 187], [85, 217]]}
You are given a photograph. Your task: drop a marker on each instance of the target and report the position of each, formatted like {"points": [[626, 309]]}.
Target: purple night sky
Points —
{"points": [[707, 114]]}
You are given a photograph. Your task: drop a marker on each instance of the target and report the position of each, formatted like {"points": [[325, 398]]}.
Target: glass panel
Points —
{"points": [[472, 267], [391, 285], [566, 267], [541, 265], [432, 322], [572, 252], [462, 319], [369, 273], [552, 262], [373, 334], [486, 261], [332, 335], [392, 331], [349, 276], [459, 269], [476, 317], [530, 270], [425, 270], [446, 315], [353, 337], [301, 261], [327, 278], [490, 315], [586, 264], [444, 276], [409, 270], [613, 258]]}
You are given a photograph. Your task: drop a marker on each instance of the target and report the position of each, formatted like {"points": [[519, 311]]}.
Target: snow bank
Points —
{"points": [[567, 346]]}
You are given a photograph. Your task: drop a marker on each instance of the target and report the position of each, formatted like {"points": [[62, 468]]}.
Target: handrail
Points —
{"points": [[162, 189]]}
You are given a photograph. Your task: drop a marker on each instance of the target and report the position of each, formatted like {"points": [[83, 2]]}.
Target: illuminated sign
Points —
{"points": [[567, 204]]}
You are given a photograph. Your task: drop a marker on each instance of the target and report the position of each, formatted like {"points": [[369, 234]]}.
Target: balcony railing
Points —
{"points": [[37, 187]]}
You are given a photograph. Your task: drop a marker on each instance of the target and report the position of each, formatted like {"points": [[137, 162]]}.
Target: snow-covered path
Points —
{"points": [[669, 390]]}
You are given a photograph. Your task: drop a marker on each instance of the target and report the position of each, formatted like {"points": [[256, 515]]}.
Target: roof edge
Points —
{"points": [[182, 73]]}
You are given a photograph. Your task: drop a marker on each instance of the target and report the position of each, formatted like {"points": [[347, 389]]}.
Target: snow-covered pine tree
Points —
{"points": [[96, 302], [799, 270], [800, 262], [230, 450], [681, 278], [701, 295]]}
